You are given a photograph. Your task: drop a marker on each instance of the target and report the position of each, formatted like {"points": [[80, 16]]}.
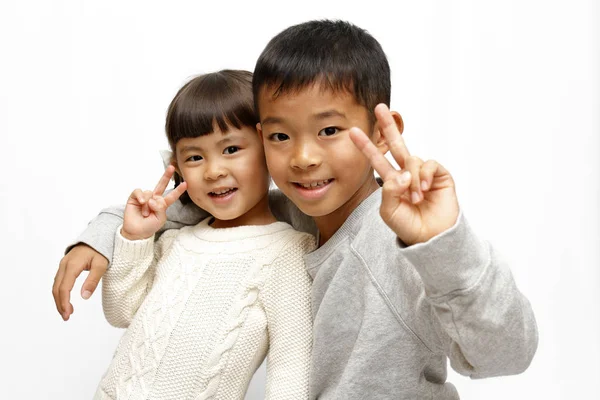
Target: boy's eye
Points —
{"points": [[279, 137], [330, 130], [231, 150], [194, 158]]}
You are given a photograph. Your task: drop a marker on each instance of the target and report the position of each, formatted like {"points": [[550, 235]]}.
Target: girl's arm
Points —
{"points": [[130, 278], [289, 320]]}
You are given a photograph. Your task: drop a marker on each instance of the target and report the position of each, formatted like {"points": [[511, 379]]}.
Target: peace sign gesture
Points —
{"points": [[419, 200], [146, 212]]}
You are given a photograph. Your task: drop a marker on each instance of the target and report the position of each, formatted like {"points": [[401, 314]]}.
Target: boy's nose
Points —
{"points": [[305, 157]]}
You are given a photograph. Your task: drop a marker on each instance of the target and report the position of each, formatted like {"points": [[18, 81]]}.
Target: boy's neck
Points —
{"points": [[260, 214], [329, 224]]}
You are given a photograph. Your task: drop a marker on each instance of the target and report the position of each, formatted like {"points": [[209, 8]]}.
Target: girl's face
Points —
{"points": [[227, 175]]}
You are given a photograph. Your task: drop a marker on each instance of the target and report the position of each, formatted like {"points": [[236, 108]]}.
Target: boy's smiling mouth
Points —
{"points": [[313, 184]]}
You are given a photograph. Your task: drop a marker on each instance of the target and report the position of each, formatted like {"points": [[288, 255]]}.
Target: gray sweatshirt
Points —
{"points": [[386, 316]]}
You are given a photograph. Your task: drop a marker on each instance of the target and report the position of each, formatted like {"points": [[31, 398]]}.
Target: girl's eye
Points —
{"points": [[231, 150], [329, 131], [194, 158], [279, 137]]}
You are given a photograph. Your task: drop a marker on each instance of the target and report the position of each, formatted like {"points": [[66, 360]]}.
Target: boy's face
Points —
{"points": [[309, 153], [226, 173]]}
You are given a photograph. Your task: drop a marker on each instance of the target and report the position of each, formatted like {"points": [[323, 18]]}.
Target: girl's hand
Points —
{"points": [[419, 201], [146, 212]]}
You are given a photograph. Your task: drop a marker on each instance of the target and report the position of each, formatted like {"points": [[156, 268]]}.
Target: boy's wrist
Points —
{"points": [[453, 260]]}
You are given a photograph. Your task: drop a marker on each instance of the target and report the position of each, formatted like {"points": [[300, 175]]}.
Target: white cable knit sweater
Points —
{"points": [[203, 306]]}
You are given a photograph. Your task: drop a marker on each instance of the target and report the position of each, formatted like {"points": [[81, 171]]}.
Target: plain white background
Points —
{"points": [[505, 94]]}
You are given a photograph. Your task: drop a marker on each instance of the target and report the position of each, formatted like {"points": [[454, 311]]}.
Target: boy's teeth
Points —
{"points": [[314, 184]]}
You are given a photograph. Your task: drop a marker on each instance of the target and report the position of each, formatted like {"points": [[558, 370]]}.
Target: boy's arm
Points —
{"points": [[484, 324], [93, 250], [128, 281], [99, 234], [288, 307]]}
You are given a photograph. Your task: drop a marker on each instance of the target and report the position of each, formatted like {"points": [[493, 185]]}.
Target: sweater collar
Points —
{"points": [[350, 227], [206, 232]]}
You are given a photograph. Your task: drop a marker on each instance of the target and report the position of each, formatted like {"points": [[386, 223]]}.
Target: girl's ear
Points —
{"points": [[379, 140]]}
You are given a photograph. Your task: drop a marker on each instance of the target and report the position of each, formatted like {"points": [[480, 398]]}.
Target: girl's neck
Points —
{"points": [[260, 214]]}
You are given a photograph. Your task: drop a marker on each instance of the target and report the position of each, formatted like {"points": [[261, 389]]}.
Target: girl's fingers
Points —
{"points": [[157, 204], [138, 196], [175, 193], [164, 180], [147, 195]]}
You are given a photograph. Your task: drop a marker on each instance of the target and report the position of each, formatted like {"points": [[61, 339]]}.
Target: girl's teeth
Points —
{"points": [[223, 191]]}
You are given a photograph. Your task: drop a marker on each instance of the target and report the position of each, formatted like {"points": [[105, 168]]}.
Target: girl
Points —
{"points": [[205, 304]]}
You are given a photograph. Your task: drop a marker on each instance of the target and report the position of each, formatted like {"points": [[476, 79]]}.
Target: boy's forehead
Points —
{"points": [[312, 98]]}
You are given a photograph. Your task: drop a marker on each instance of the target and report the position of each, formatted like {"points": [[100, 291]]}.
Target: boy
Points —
{"points": [[400, 281]]}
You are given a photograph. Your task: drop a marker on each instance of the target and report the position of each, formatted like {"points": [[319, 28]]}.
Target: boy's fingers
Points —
{"points": [[164, 180], [377, 160], [413, 164], [72, 271], [57, 281], [428, 170], [394, 139], [394, 190], [175, 193], [97, 270]]}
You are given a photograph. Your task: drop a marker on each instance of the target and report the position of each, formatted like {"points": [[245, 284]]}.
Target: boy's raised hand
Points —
{"points": [[146, 212], [419, 201]]}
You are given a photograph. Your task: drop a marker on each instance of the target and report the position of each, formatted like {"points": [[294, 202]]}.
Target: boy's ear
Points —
{"points": [[259, 130], [379, 140]]}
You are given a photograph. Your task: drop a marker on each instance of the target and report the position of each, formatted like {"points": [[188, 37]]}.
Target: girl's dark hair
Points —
{"points": [[336, 54], [222, 99]]}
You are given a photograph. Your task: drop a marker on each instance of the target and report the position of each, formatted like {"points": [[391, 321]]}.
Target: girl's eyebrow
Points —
{"points": [[190, 148]]}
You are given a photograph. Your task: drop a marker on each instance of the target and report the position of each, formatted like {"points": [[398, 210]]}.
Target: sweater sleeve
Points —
{"points": [[126, 284], [289, 322], [100, 231], [484, 324]]}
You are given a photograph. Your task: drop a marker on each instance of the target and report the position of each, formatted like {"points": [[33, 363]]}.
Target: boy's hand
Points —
{"points": [[419, 201], [80, 258], [146, 212]]}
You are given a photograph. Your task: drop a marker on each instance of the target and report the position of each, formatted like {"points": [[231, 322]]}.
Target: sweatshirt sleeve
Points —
{"points": [[484, 324], [126, 284], [100, 232], [289, 323]]}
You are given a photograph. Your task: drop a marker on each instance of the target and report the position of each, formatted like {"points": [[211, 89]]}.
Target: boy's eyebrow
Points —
{"points": [[318, 116], [271, 120], [328, 114]]}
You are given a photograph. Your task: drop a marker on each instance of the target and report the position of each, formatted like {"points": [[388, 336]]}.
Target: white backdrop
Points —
{"points": [[506, 94]]}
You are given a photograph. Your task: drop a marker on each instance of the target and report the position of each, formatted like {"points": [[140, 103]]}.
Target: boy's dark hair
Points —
{"points": [[222, 98], [336, 54]]}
